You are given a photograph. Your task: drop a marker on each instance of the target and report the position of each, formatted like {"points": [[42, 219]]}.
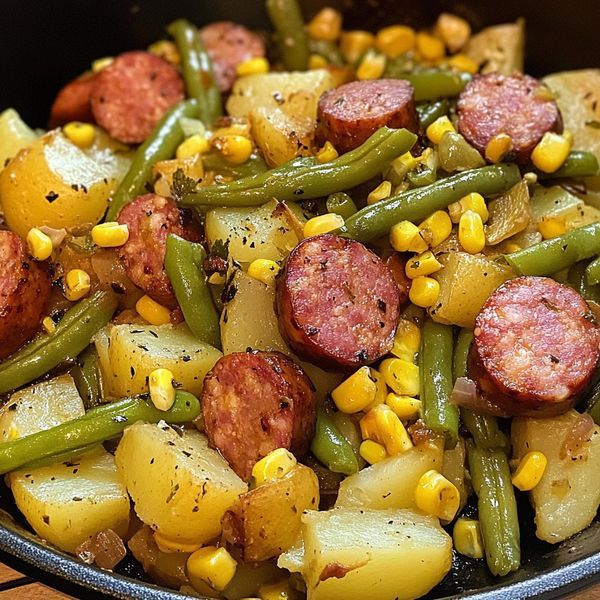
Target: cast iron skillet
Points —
{"points": [[44, 44]]}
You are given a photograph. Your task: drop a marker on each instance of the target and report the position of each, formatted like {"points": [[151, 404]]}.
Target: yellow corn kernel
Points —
{"points": [[465, 63], [236, 149], [152, 311], [316, 61], [424, 291], [80, 134], [407, 340], [401, 375], [551, 227], [453, 30], [472, 201], [211, 566], [467, 538], [322, 224], [430, 47], [498, 147], [327, 153], [275, 465], [381, 389], [551, 152], [530, 471], [422, 264], [280, 590], [170, 546], [512, 247], [264, 270], [382, 425], [438, 128], [403, 164], [436, 228], [437, 496], [395, 40], [405, 407], [101, 63], [39, 244], [470, 232], [162, 392], [381, 192], [325, 25], [372, 452], [76, 285], [371, 66], [355, 393], [217, 279], [110, 234], [49, 324], [166, 50], [195, 144], [354, 44], [406, 237], [252, 66]]}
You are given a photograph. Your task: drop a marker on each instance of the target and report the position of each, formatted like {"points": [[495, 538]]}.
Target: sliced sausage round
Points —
{"points": [[24, 293], [536, 347], [133, 93], [150, 219], [73, 102], [255, 402], [349, 114], [337, 302], [518, 105], [396, 263], [229, 44]]}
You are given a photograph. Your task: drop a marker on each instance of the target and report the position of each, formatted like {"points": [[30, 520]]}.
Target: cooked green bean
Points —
{"points": [[593, 403], [86, 374], [592, 272], [197, 70], [428, 113], [184, 263], [62, 457], [97, 425], [214, 161], [341, 204], [72, 335], [578, 164], [306, 178], [291, 35], [160, 145], [433, 84], [436, 380], [490, 475], [327, 49], [376, 220], [483, 428], [331, 447], [577, 279], [556, 254]]}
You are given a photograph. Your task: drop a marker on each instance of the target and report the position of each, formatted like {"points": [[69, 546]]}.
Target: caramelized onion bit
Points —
{"points": [[466, 395], [106, 549], [578, 435]]}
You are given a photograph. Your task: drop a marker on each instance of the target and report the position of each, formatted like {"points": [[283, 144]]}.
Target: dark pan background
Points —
{"points": [[44, 43]]}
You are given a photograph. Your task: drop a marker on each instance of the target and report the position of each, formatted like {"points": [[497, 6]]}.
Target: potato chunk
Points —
{"points": [[14, 135], [566, 499], [179, 485], [375, 554], [265, 521]]}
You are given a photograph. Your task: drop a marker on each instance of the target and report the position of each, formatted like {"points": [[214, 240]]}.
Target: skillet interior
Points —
{"points": [[44, 44]]}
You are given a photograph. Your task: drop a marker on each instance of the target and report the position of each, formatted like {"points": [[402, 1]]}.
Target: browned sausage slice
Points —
{"points": [[256, 402], [338, 303], [536, 347], [229, 44], [518, 106], [73, 102], [133, 93], [349, 114], [24, 293], [150, 219]]}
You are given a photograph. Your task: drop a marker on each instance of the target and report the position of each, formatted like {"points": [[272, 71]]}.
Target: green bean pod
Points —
{"points": [[436, 380], [306, 178], [214, 161], [184, 263], [593, 404], [376, 220], [490, 475], [287, 20], [72, 335], [160, 145], [341, 204], [433, 84], [97, 425], [578, 164], [483, 428], [430, 112], [556, 254], [197, 70], [577, 279], [331, 447], [592, 272], [87, 377]]}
